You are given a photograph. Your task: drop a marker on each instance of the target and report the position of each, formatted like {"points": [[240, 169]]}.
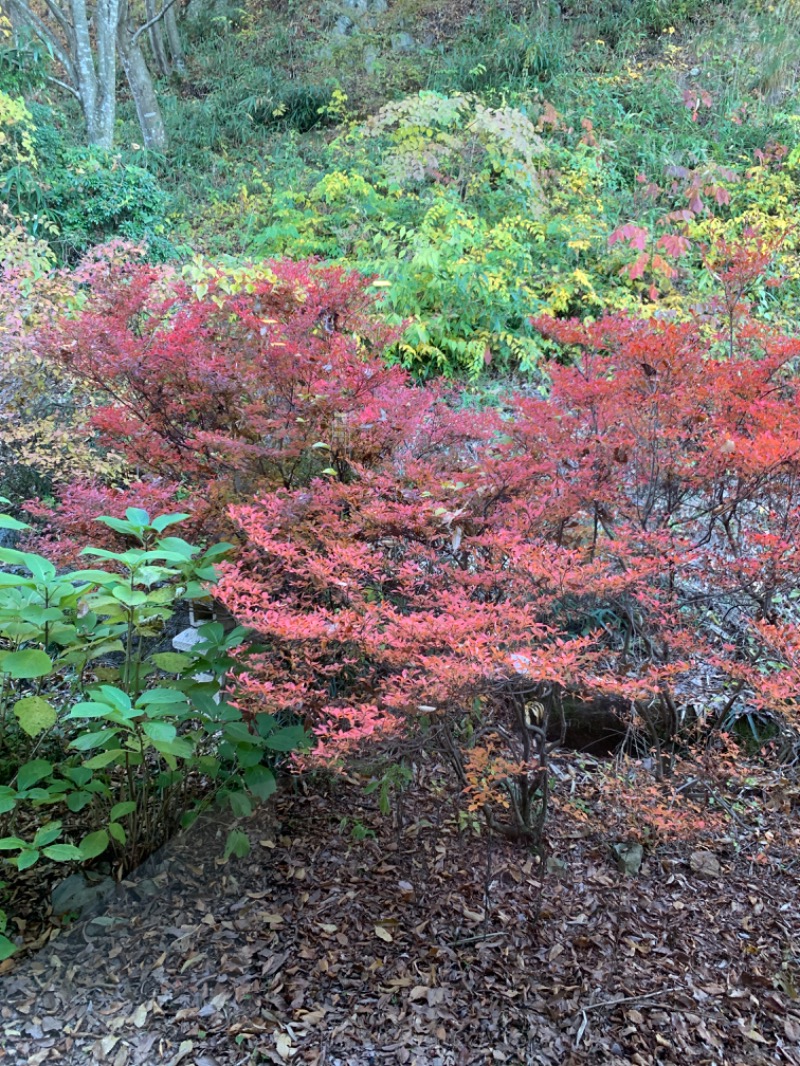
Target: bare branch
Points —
{"points": [[64, 85], [60, 16], [151, 22]]}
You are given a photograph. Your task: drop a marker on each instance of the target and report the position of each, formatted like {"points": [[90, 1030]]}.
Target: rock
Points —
{"points": [[8, 538], [80, 893], [403, 42], [628, 858], [344, 26], [705, 865], [186, 639], [557, 866], [371, 57]]}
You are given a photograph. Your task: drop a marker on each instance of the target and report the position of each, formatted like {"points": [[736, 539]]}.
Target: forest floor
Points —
{"points": [[423, 944]]}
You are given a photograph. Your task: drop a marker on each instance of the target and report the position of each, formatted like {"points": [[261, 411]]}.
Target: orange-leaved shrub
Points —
{"points": [[413, 568]]}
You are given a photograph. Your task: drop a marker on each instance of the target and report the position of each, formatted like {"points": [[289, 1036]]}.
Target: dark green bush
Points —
{"points": [[94, 196]]}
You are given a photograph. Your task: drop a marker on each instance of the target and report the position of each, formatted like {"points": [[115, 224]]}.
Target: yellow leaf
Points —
{"points": [[383, 934]]}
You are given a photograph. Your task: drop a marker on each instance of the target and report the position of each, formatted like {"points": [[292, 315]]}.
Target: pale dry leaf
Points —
{"points": [[283, 1045], [755, 1036], [139, 1016], [185, 1048]]}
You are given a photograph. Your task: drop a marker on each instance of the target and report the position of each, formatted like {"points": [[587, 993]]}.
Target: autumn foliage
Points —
{"points": [[413, 568]]}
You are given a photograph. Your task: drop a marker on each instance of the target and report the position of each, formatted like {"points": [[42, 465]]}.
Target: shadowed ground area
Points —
{"points": [[422, 944]]}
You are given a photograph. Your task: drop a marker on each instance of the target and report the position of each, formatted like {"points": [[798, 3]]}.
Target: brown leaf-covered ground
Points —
{"points": [[423, 944]]}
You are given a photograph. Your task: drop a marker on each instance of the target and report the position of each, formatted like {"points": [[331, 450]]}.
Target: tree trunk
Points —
{"points": [[141, 85], [107, 14], [174, 38], [157, 38]]}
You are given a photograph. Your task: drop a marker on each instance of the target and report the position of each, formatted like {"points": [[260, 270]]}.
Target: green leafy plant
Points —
{"points": [[132, 739], [92, 197]]}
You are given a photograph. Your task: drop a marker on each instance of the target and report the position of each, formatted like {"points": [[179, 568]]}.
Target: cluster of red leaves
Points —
{"points": [[407, 561], [685, 196], [71, 523]]}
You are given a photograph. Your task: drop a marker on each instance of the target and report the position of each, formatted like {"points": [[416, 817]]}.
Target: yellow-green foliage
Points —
{"points": [[16, 134], [42, 439]]}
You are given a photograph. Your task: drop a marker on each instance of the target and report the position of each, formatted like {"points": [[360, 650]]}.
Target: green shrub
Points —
{"points": [[102, 725], [94, 196]]}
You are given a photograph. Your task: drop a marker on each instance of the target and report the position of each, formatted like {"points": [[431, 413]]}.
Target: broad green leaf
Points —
{"points": [[163, 732], [116, 832], [7, 522], [119, 525], [12, 843], [137, 516], [87, 741], [35, 715], [121, 810], [28, 663], [32, 772], [247, 757], [90, 710], [42, 569], [172, 662], [179, 747], [116, 697], [238, 844], [104, 758], [160, 696], [240, 804], [47, 834], [28, 858], [94, 844], [76, 801], [38, 615], [176, 545], [260, 780], [291, 738], [160, 522], [7, 948], [79, 775], [212, 632], [62, 853], [15, 581], [238, 733], [129, 597]]}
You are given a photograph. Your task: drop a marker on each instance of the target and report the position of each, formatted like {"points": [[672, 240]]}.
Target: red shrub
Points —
{"points": [[407, 564]]}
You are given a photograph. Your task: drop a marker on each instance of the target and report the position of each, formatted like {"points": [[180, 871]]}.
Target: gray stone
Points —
{"points": [[344, 26], [629, 858], [557, 867], [403, 42], [80, 893], [186, 639], [705, 865]]}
